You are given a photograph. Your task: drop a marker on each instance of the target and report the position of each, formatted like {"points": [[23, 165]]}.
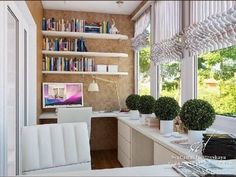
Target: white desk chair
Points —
{"points": [[52, 148], [68, 115]]}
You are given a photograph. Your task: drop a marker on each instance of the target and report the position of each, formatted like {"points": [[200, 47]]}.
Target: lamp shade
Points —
{"points": [[93, 87]]}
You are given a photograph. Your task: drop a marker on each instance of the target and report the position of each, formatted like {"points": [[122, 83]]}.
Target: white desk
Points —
{"points": [[140, 145], [229, 167], [154, 135], [161, 170], [53, 115]]}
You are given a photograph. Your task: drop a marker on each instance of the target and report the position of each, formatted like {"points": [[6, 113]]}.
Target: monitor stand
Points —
{"points": [[56, 111]]}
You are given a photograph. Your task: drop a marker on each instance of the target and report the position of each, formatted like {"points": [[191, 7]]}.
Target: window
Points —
{"points": [[144, 69], [216, 80], [170, 80]]}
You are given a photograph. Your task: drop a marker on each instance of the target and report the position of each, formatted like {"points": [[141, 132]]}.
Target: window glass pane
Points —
{"points": [[144, 74], [217, 80], [144, 70], [170, 80]]}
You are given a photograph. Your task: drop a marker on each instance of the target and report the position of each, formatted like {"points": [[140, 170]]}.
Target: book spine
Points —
{"points": [[44, 24], [52, 64], [62, 64], [44, 64], [62, 25], [76, 46]]}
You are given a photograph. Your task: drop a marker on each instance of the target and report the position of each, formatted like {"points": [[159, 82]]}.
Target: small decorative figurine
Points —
{"points": [[113, 29]]}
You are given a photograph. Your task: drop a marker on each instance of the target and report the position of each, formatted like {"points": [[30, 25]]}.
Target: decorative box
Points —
{"points": [[101, 68], [112, 68]]}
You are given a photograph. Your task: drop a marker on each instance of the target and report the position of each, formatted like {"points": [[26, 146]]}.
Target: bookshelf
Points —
{"points": [[84, 35], [85, 54], [86, 73]]}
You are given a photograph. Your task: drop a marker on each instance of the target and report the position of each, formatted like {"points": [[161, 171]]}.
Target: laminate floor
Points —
{"points": [[103, 159]]}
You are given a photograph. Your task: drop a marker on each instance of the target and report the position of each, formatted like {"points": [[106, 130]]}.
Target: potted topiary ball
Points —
{"points": [[132, 102], [197, 115], [166, 109], [146, 107]]}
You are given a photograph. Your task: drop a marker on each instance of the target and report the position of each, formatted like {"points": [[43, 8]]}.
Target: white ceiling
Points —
{"points": [[110, 7]]}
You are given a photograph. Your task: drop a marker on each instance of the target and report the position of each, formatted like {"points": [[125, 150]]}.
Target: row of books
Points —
{"points": [[75, 25], [68, 64], [63, 44]]}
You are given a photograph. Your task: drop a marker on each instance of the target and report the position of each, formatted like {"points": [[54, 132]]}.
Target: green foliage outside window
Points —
{"points": [[170, 79], [144, 66], [220, 66]]}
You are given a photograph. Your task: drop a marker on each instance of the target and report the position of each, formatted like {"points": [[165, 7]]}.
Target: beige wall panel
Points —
{"points": [[105, 99], [36, 10]]}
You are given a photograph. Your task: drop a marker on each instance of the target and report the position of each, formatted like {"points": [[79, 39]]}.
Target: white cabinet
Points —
{"points": [[124, 146], [162, 155]]}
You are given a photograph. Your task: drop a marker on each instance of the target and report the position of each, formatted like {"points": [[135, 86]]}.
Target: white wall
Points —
{"points": [[22, 13]]}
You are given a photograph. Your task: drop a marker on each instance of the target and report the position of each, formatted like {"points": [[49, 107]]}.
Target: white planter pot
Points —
{"points": [[144, 117], [195, 136], [134, 114], [166, 126]]}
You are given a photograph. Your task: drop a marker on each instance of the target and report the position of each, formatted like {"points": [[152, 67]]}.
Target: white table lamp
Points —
{"points": [[93, 87]]}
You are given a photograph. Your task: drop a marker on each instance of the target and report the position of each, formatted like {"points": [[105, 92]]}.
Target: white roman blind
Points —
{"points": [[168, 24], [212, 26], [200, 10], [141, 34]]}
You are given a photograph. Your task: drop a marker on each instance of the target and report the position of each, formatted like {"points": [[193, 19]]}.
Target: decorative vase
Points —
{"points": [[195, 136], [166, 126], [144, 117], [134, 114]]}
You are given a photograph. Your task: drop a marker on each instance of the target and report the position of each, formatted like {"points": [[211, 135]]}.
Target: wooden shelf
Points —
{"points": [[85, 73], [85, 35], [85, 54]]}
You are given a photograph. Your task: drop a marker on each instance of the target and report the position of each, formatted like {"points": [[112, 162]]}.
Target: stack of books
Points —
{"points": [[92, 27], [63, 44], [68, 64], [219, 146], [103, 27]]}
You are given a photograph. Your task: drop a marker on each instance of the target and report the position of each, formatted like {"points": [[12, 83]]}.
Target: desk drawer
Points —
{"points": [[123, 159], [162, 155], [124, 130], [124, 145]]}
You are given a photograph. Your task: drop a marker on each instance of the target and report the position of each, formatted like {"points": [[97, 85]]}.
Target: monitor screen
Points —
{"points": [[62, 95]]}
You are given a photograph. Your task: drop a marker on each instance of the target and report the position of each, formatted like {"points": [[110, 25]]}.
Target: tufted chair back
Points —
{"points": [[55, 147]]}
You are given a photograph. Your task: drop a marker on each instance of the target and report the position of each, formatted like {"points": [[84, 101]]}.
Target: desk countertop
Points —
{"points": [[96, 114], [225, 167], [161, 170]]}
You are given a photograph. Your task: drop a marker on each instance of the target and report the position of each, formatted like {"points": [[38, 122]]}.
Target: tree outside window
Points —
{"points": [[217, 80], [170, 80]]}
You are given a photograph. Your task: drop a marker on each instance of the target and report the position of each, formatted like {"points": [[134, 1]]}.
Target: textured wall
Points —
{"points": [[105, 99], [36, 10]]}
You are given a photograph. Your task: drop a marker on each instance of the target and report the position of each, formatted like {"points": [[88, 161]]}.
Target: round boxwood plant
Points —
{"points": [[146, 104], [197, 114], [132, 101], [166, 108]]}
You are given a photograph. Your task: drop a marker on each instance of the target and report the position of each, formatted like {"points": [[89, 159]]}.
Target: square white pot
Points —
{"points": [[166, 126], [195, 136], [134, 114]]}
